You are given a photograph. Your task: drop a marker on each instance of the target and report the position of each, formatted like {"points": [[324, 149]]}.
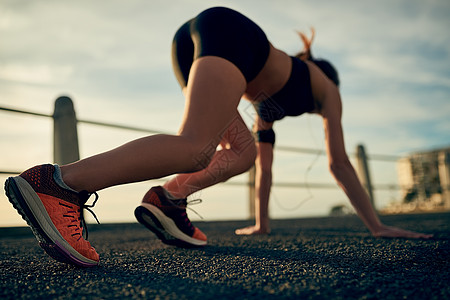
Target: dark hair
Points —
{"points": [[325, 66]]}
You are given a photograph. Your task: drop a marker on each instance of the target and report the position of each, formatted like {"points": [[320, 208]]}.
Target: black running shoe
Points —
{"points": [[168, 219]]}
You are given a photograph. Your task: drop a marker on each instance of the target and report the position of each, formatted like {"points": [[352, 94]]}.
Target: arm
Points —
{"points": [[344, 173], [263, 184], [339, 164]]}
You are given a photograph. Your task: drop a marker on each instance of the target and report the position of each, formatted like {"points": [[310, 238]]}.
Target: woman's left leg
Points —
{"points": [[214, 90], [237, 155]]}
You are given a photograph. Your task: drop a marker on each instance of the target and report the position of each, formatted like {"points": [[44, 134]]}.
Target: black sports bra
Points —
{"points": [[294, 99]]}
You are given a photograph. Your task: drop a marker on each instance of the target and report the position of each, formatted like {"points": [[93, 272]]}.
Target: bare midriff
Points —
{"points": [[271, 78]]}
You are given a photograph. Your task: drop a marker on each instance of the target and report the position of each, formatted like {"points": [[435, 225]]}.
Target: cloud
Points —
{"points": [[35, 74]]}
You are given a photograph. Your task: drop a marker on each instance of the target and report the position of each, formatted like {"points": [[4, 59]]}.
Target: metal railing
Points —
{"points": [[65, 146]]}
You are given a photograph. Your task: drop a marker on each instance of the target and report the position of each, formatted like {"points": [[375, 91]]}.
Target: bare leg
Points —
{"points": [[212, 95], [236, 156]]}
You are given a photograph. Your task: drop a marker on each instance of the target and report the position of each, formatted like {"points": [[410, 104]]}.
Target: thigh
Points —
{"points": [[214, 90]]}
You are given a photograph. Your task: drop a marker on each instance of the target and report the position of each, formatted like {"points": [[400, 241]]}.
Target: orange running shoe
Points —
{"points": [[168, 219], [54, 215]]}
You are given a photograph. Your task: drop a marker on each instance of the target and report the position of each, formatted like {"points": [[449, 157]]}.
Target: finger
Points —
{"points": [[418, 235]]}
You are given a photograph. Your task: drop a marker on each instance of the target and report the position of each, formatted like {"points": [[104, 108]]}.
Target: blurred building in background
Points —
{"points": [[424, 179]]}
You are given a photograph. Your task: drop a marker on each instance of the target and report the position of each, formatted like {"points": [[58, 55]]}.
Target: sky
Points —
{"points": [[113, 59]]}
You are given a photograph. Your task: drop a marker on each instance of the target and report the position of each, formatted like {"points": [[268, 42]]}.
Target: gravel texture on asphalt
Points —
{"points": [[315, 258]]}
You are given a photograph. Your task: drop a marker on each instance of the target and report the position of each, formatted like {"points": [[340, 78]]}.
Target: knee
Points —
{"points": [[246, 158], [245, 155], [200, 157]]}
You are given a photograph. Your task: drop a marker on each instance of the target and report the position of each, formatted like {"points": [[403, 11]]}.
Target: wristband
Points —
{"points": [[266, 136]]}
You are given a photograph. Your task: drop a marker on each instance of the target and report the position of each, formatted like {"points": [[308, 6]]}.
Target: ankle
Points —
{"points": [[173, 194], [58, 177]]}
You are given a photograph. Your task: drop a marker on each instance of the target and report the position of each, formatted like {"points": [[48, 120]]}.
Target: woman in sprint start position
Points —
{"points": [[219, 57]]}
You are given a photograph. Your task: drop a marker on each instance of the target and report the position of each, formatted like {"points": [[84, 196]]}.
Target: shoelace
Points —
{"points": [[183, 204], [84, 195], [194, 202]]}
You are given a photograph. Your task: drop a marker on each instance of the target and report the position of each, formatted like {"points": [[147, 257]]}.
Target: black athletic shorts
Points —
{"points": [[221, 32]]}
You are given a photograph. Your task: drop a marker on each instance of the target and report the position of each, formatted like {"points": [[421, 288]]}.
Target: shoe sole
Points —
{"points": [[25, 200], [164, 227]]}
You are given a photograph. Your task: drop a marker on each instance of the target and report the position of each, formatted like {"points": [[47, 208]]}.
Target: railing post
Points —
{"points": [[444, 176], [363, 172], [65, 135], [251, 192]]}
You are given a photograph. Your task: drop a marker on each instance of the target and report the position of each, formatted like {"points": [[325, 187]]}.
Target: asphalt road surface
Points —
{"points": [[317, 258]]}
